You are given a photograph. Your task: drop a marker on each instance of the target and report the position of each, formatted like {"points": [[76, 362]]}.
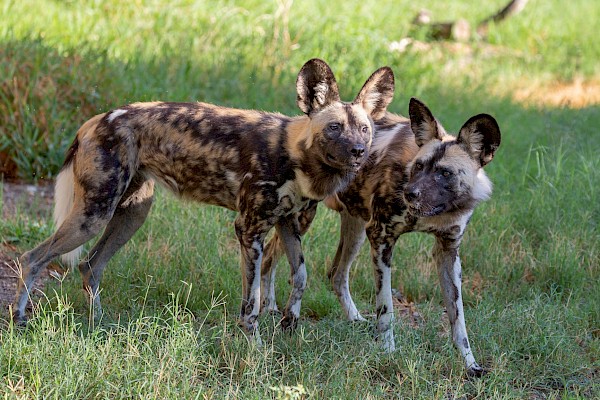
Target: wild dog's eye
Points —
{"points": [[364, 129], [446, 173], [418, 166], [334, 127]]}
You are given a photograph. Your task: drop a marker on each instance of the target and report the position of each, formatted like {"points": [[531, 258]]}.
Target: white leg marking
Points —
{"points": [[341, 288], [459, 328], [297, 291], [249, 321], [385, 306], [255, 288]]}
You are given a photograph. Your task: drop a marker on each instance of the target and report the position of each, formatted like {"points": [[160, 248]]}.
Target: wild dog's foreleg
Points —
{"points": [[251, 236], [352, 236], [273, 252], [75, 231], [289, 234], [382, 245], [126, 220], [445, 253]]}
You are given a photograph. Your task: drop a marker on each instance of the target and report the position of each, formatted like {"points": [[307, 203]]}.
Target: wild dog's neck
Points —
{"points": [[316, 180], [393, 141], [299, 137]]}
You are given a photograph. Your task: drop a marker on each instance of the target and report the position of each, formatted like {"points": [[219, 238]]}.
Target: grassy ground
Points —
{"points": [[530, 255]]}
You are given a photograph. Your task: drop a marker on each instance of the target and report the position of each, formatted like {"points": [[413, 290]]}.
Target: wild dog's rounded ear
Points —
{"points": [[481, 135], [316, 86], [422, 122], [377, 92]]}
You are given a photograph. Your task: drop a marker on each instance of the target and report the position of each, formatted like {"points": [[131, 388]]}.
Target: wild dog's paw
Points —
{"points": [[475, 371], [357, 318], [385, 339], [289, 322], [250, 329], [269, 307], [20, 320], [254, 338], [270, 311]]}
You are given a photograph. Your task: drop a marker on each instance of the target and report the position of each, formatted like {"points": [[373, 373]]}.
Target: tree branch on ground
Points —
{"points": [[460, 30]]}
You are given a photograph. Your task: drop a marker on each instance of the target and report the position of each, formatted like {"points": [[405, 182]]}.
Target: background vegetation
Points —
{"points": [[530, 255]]}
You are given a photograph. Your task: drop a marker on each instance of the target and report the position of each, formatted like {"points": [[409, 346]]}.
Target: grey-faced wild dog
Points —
{"points": [[265, 166], [417, 179]]}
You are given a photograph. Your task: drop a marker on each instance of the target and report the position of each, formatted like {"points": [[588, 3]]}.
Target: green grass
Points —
{"points": [[531, 254]]}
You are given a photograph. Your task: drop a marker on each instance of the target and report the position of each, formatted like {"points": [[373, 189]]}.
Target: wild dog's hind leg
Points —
{"points": [[96, 174], [251, 235], [75, 231], [445, 253], [352, 236], [273, 252], [126, 220], [289, 232]]}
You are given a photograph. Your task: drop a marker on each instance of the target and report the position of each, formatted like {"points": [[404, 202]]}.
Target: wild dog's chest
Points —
{"points": [[290, 198], [268, 199], [448, 226], [376, 195]]}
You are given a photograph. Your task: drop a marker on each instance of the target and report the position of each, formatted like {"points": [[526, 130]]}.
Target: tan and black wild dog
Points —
{"points": [[265, 166], [418, 178]]}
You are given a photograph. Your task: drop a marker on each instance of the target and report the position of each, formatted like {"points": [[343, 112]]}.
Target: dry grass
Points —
{"points": [[578, 93]]}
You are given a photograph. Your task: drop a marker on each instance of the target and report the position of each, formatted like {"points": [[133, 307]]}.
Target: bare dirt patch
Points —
{"points": [[9, 279], [34, 201], [578, 93]]}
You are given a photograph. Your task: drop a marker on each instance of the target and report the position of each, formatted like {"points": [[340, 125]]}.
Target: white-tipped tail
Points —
{"points": [[64, 193]]}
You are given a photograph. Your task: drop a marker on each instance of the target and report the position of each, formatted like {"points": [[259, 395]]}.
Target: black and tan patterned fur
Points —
{"points": [[417, 179], [265, 166]]}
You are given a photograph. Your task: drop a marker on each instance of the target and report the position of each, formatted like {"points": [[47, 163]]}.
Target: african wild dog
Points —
{"points": [[266, 166], [417, 179]]}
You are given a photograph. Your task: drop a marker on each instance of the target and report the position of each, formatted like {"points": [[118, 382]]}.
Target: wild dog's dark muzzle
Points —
{"points": [[423, 200], [357, 157], [347, 156], [411, 193], [358, 150]]}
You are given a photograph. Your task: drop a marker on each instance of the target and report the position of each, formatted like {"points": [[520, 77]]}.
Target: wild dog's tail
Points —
{"points": [[64, 194]]}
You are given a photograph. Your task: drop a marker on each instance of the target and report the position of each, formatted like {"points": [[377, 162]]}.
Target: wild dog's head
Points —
{"points": [[340, 132], [446, 175]]}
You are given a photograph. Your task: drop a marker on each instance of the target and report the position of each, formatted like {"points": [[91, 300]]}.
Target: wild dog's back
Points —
{"points": [[198, 150]]}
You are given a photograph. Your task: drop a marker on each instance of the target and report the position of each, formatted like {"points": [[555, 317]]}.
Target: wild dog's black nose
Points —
{"points": [[358, 150], [411, 193]]}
